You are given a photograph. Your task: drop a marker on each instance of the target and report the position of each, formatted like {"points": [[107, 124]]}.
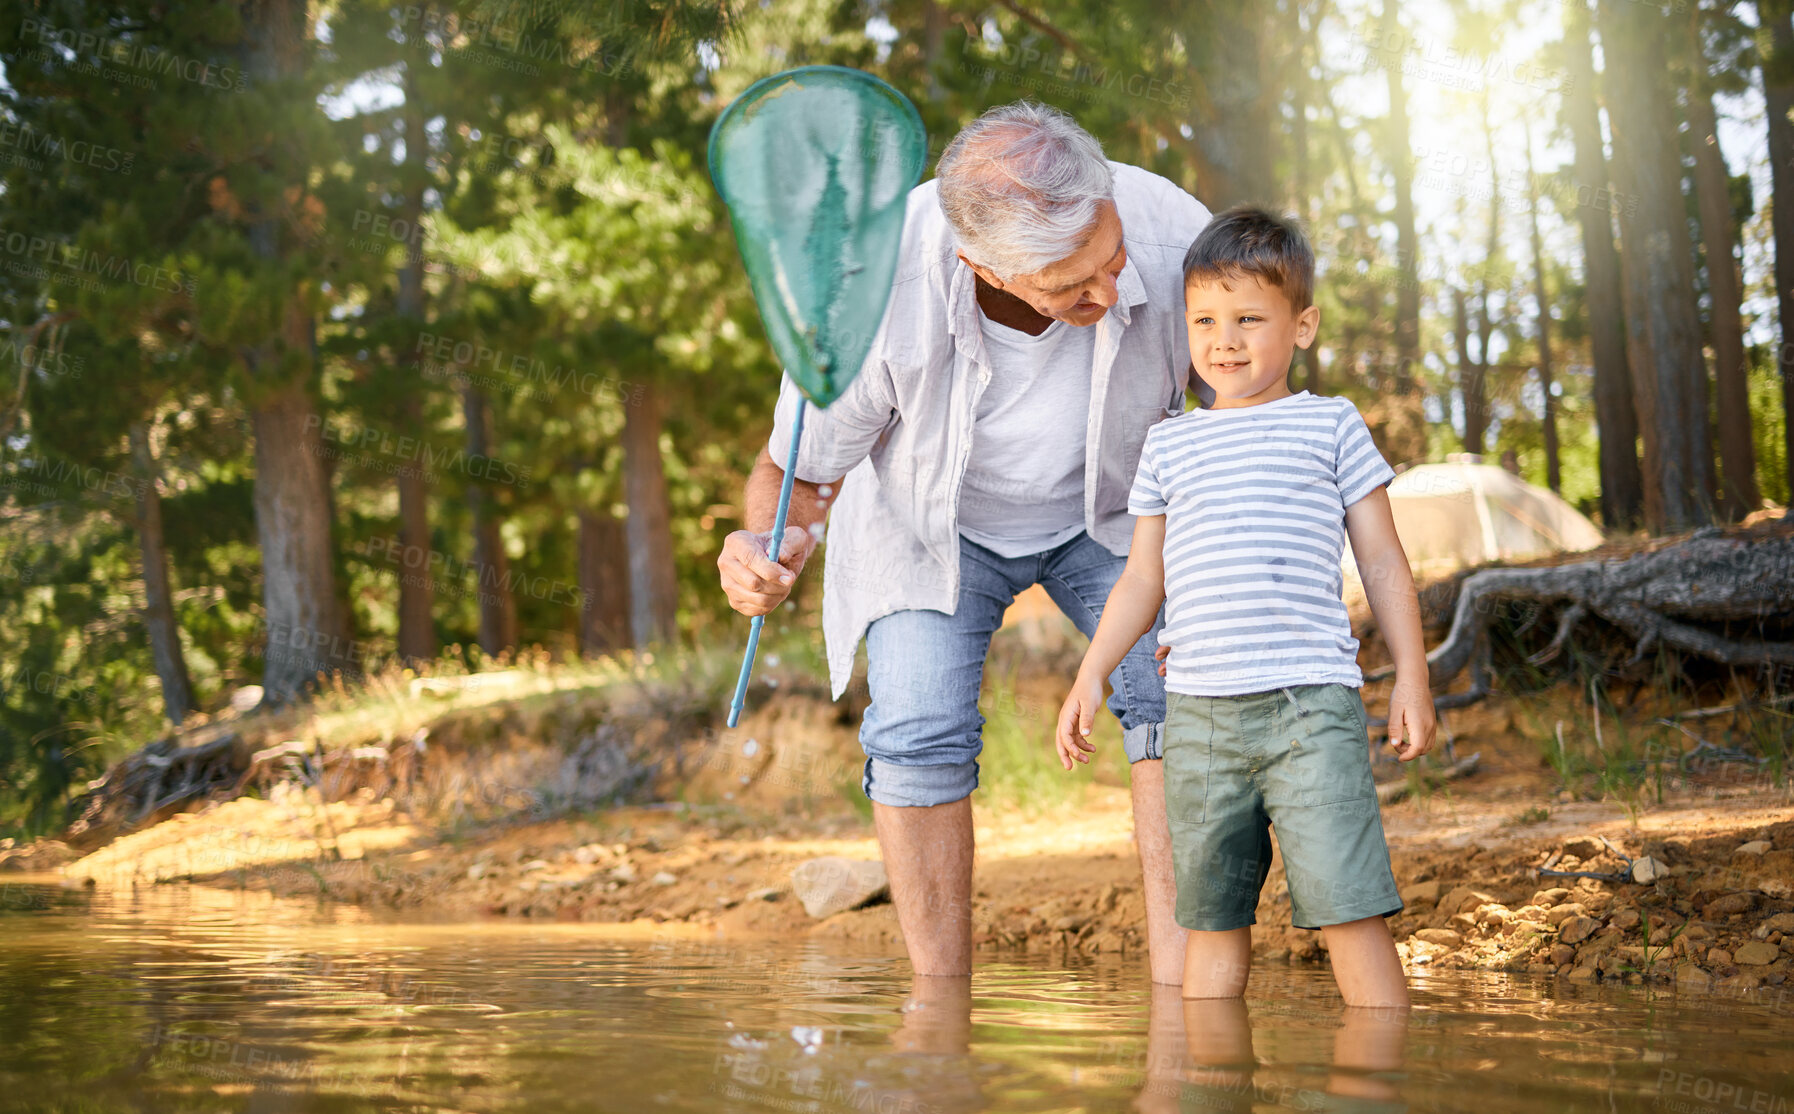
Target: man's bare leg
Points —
{"points": [[937, 1016], [928, 856], [1152, 834]]}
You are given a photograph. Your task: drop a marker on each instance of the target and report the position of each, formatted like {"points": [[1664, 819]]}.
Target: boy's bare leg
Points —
{"points": [[928, 856], [1365, 964], [1152, 835], [1218, 1042], [1216, 963]]}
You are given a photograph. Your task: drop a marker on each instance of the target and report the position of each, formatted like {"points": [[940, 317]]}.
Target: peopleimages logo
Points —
{"points": [[28, 141], [82, 261], [145, 58]]}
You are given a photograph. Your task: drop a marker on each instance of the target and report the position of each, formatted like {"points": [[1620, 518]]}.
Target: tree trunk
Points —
{"points": [[1553, 471], [653, 597], [1404, 431], [1299, 80], [1231, 114], [1737, 453], [417, 630], [934, 41], [1470, 379], [1778, 96], [604, 620], [308, 633], [1485, 317], [498, 608], [1663, 330], [308, 629], [158, 597], [1622, 492]]}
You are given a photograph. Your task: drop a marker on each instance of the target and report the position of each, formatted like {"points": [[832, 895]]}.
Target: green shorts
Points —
{"points": [[1296, 758]]}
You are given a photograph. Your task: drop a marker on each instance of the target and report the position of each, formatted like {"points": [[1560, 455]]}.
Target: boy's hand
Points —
{"points": [[1075, 718], [1411, 724]]}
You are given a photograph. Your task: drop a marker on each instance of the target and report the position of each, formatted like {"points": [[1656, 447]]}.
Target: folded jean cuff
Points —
{"points": [[918, 786], [1143, 741]]}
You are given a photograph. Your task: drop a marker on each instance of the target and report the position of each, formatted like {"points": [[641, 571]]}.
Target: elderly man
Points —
{"points": [[1035, 332]]}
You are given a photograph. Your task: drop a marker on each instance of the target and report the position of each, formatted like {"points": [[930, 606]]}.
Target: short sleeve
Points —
{"points": [[838, 438], [1147, 496], [1358, 467]]}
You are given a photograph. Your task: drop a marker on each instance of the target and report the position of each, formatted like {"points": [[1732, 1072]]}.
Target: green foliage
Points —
{"points": [[195, 243]]}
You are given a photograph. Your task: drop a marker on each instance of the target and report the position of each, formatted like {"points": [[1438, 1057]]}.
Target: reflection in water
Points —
{"points": [[1200, 1057], [183, 999]]}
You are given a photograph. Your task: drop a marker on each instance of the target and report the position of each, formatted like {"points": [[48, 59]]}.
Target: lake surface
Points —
{"points": [[184, 999]]}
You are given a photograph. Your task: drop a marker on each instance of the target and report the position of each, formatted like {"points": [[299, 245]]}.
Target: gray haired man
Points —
{"points": [[1035, 333]]}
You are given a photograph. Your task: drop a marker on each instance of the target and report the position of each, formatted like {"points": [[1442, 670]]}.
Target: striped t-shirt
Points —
{"points": [[1254, 500]]}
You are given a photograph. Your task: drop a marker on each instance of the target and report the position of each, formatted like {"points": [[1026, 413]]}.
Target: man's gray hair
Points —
{"points": [[1021, 185]]}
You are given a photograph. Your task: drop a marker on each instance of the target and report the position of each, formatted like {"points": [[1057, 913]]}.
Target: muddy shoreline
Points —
{"points": [[1720, 917]]}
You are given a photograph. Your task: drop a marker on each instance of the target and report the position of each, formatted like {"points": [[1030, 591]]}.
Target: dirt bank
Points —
{"points": [[1059, 874]]}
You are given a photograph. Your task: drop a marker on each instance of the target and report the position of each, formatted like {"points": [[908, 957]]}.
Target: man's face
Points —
{"points": [[1080, 288], [1241, 340]]}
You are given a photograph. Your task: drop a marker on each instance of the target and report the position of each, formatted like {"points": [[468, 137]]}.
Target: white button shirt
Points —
{"points": [[902, 430]]}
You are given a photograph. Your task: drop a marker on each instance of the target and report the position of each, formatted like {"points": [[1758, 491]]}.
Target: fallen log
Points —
{"points": [[1725, 597], [154, 783]]}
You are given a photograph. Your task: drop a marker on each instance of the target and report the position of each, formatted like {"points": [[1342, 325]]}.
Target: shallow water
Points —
{"points": [[175, 998]]}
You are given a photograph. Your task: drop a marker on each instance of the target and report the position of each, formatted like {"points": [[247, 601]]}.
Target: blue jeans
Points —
{"points": [[922, 733]]}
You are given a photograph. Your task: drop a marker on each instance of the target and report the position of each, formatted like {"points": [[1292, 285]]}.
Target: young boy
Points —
{"points": [[1239, 513]]}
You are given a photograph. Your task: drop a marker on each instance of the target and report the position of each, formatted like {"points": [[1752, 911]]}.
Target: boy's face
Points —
{"points": [[1241, 340]]}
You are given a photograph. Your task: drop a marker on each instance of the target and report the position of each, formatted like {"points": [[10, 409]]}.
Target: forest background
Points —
{"points": [[341, 337]]}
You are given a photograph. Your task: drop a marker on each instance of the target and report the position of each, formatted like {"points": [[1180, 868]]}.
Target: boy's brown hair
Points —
{"points": [[1248, 240]]}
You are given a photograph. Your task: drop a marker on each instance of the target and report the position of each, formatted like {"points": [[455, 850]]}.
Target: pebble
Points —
{"points": [[1781, 922], [1421, 892], [1583, 974], [1693, 977], [832, 885], [1561, 954], [1625, 919], [1444, 937], [1754, 847], [1727, 904], [1557, 914], [1718, 957], [1549, 898], [1648, 870], [1757, 953], [1577, 928], [664, 878], [1463, 898]]}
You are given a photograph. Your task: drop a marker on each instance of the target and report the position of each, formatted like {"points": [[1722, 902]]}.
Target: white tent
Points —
{"points": [[1463, 512]]}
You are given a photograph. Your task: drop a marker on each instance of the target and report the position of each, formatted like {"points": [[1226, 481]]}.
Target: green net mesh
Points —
{"points": [[815, 165]]}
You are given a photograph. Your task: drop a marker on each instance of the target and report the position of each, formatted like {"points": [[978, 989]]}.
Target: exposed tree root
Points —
{"points": [[1724, 597]]}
